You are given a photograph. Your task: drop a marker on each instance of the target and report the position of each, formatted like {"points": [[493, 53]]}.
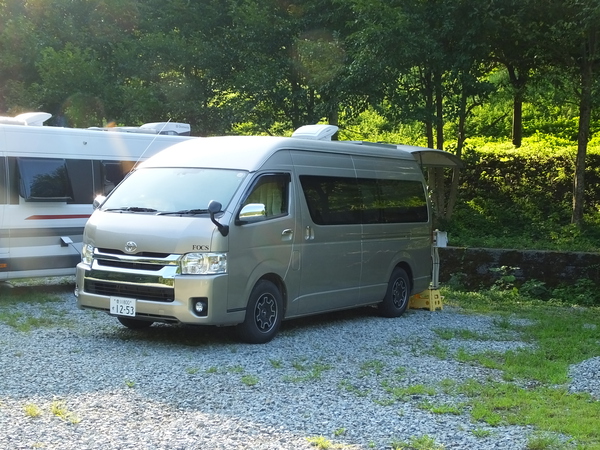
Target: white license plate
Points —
{"points": [[120, 306]]}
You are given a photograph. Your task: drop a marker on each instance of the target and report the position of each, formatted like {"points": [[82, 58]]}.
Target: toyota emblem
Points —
{"points": [[130, 247]]}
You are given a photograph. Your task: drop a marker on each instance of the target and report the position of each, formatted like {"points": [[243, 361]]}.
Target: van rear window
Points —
{"points": [[339, 200]]}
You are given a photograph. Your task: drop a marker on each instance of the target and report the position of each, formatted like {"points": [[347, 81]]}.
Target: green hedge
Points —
{"points": [[523, 198]]}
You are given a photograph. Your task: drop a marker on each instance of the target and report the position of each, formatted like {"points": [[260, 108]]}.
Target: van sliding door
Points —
{"points": [[330, 248]]}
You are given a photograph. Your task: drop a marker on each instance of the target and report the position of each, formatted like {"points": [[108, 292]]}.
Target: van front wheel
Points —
{"points": [[397, 296], [263, 314]]}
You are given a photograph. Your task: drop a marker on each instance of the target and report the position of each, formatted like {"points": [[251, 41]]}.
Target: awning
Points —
{"points": [[430, 157]]}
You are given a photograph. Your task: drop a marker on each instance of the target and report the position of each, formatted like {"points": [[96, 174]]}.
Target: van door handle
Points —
{"points": [[309, 234], [287, 234]]}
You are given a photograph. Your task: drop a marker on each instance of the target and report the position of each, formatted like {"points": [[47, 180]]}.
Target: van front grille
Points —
{"points": [[128, 265], [140, 292]]}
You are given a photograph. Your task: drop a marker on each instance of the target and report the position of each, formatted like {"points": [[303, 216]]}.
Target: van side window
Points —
{"points": [[340, 201], [44, 179], [332, 200], [273, 192]]}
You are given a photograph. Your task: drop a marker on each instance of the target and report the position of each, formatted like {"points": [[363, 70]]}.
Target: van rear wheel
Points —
{"points": [[134, 324], [263, 314], [397, 296]]}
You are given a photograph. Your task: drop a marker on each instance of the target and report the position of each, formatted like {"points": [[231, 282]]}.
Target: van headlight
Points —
{"points": [[203, 263], [87, 254]]}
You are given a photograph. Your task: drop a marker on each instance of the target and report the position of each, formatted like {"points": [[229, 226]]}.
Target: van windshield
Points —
{"points": [[173, 190]]}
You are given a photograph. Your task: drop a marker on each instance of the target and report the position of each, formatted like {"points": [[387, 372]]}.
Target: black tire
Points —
{"points": [[263, 314], [397, 296], [134, 324]]}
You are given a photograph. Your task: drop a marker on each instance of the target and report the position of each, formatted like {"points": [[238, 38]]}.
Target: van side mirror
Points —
{"points": [[213, 208], [97, 203], [252, 212]]}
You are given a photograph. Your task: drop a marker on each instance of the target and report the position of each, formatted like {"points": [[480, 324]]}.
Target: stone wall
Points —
{"points": [[553, 268]]}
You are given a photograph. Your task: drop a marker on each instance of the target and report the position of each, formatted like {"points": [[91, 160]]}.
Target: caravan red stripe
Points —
{"points": [[62, 216]]}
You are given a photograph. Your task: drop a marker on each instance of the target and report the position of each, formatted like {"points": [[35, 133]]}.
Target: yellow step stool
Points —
{"points": [[429, 299]]}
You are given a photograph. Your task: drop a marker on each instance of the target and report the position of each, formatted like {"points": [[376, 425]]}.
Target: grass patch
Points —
{"points": [[549, 409], [534, 392], [45, 314], [462, 333]]}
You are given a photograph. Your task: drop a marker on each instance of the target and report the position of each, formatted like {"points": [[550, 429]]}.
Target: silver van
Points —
{"points": [[251, 230]]}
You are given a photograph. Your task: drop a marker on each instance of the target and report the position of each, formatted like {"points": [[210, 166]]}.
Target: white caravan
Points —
{"points": [[49, 177]]}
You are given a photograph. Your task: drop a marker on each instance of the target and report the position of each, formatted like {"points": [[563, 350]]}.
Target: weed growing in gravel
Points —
{"points": [[59, 409], [441, 408], [481, 433], [192, 370], [32, 410], [373, 366], [403, 393], [250, 380], [311, 371], [320, 442], [130, 384], [438, 350], [349, 387], [276, 363], [417, 443]]}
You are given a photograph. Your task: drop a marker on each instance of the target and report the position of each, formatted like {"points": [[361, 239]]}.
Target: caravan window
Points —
{"points": [[43, 179], [340, 201], [3, 185], [113, 173]]}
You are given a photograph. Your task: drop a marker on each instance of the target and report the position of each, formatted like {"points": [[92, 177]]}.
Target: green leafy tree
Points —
{"points": [[573, 35]]}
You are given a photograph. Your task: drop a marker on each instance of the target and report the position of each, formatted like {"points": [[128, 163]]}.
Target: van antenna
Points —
{"points": [[148, 146]]}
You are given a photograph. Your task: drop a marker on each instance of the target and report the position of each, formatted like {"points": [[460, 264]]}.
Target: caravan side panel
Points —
{"points": [[48, 179]]}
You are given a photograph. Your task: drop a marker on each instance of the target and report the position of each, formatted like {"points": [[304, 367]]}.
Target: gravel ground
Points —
{"points": [[89, 383]]}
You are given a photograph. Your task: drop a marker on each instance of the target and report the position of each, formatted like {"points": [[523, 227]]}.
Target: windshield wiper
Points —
{"points": [[183, 212], [132, 209]]}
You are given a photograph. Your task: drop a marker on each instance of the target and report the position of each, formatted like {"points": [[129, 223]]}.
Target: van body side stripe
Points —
{"points": [[14, 233], [58, 217], [39, 263]]}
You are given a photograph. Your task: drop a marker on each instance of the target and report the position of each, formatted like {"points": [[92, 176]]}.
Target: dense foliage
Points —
{"points": [[522, 198], [452, 74]]}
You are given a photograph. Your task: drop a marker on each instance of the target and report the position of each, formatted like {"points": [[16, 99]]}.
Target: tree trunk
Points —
{"points": [[439, 110], [517, 123], [428, 82], [462, 121], [585, 112]]}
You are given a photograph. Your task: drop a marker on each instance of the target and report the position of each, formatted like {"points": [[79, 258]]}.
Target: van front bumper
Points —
{"points": [[170, 299]]}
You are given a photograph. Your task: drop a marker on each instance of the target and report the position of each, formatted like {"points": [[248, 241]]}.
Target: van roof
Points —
{"points": [[250, 152]]}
